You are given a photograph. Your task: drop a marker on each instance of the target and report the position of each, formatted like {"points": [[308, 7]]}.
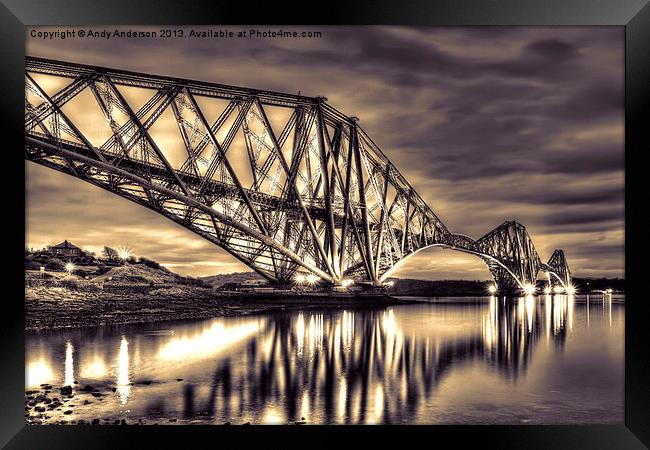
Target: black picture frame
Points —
{"points": [[634, 15]]}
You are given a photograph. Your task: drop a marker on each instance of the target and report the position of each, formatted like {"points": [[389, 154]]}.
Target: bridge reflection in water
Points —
{"points": [[362, 367], [383, 365]]}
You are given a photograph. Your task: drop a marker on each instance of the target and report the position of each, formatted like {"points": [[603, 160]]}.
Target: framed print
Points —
{"points": [[383, 221]]}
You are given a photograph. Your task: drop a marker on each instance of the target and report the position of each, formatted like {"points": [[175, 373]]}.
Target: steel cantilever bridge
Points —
{"points": [[285, 183]]}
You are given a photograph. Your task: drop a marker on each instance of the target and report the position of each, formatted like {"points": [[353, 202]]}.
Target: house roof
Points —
{"points": [[66, 244]]}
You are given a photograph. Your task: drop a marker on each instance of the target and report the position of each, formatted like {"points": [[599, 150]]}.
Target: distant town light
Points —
{"points": [[558, 289], [347, 282], [69, 267], [311, 278], [389, 283], [547, 290], [529, 289], [492, 289], [609, 291], [570, 290]]}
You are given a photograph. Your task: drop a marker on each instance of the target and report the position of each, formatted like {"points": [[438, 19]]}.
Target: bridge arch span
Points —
{"points": [[564, 283], [483, 257]]}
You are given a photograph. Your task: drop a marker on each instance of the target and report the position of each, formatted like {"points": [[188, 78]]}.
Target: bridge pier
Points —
{"points": [[509, 292]]}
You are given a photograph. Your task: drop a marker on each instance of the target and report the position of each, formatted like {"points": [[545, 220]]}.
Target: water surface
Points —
{"points": [[489, 361]]}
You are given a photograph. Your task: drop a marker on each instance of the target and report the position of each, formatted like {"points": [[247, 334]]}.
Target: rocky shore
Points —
{"points": [[48, 307], [60, 405], [49, 404]]}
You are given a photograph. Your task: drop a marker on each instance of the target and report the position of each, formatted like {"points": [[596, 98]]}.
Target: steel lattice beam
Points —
{"points": [[322, 197]]}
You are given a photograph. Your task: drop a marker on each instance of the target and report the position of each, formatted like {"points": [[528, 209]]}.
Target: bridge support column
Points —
{"points": [[506, 285]]}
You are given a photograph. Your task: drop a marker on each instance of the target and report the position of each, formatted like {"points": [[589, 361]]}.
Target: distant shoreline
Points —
{"points": [[54, 308], [137, 293]]}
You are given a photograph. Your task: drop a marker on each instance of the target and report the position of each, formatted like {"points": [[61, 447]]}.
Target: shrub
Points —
{"points": [[102, 269], [32, 265], [54, 264], [149, 262], [82, 273]]}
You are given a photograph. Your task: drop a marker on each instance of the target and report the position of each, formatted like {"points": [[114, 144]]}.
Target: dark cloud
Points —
{"points": [[487, 123], [552, 50]]}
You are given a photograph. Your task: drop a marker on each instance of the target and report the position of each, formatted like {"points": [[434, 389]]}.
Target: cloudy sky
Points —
{"points": [[488, 124]]}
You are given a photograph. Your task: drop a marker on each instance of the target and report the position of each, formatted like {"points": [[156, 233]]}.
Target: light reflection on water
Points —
{"points": [[534, 359]]}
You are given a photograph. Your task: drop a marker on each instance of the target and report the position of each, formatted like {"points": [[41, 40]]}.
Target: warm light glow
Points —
{"points": [[299, 279], [69, 267], [123, 382], [547, 290], [492, 289], [343, 396], [389, 283], [124, 253], [530, 308], [348, 282], [38, 372], [311, 278], [558, 289], [379, 403], [272, 417], [347, 329], [570, 290], [529, 289], [68, 374], [94, 370], [304, 409], [300, 334], [212, 340], [489, 324]]}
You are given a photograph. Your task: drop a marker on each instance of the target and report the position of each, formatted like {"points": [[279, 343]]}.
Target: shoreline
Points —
{"points": [[57, 308]]}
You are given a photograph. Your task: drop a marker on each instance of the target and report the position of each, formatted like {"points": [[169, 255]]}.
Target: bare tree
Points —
{"points": [[110, 254]]}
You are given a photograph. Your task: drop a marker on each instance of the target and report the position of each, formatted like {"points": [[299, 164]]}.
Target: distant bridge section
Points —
{"points": [[285, 183]]}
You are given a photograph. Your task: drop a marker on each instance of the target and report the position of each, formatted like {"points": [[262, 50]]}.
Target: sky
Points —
{"points": [[488, 124]]}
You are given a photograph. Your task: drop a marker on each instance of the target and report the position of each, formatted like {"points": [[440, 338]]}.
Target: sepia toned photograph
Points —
{"points": [[332, 225]]}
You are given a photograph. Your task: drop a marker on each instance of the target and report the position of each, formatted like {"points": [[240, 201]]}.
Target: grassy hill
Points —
{"points": [[138, 273], [235, 277]]}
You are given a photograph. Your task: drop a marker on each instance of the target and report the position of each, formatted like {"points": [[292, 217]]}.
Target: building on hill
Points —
{"points": [[66, 248], [254, 282]]}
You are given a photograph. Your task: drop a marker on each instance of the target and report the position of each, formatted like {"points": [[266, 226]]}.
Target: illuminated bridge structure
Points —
{"points": [[285, 183]]}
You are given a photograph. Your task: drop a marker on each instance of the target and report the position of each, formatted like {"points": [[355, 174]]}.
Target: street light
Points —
{"points": [[492, 289], [124, 253], [529, 289], [69, 267]]}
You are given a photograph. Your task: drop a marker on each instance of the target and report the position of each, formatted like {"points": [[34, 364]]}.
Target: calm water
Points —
{"points": [[533, 360]]}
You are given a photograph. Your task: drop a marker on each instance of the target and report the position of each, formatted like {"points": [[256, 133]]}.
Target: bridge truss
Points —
{"points": [[285, 183]]}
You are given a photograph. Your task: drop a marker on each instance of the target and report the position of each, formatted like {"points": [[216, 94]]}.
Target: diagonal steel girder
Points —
{"points": [[324, 198]]}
